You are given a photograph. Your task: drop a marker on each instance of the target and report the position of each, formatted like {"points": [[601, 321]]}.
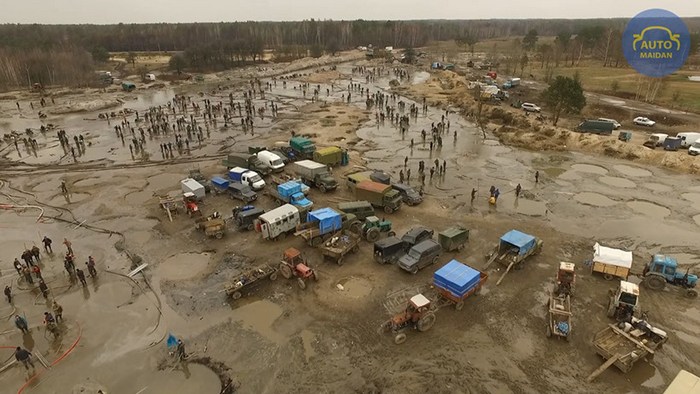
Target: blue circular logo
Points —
{"points": [[656, 42]]}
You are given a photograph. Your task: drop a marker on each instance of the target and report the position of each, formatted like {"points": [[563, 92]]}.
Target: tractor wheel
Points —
{"points": [[372, 234], [356, 228], [322, 188], [285, 270], [654, 282], [316, 242], [385, 327], [435, 260], [388, 210], [549, 331], [301, 283], [219, 235], [236, 295], [340, 260], [611, 307], [315, 276], [426, 322], [250, 227], [459, 305], [391, 234], [608, 276], [273, 276], [400, 338], [691, 293]]}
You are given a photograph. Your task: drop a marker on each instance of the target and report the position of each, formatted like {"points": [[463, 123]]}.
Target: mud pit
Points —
{"points": [[279, 338]]}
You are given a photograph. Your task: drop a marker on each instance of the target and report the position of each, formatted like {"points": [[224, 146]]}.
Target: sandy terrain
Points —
{"points": [[281, 339]]}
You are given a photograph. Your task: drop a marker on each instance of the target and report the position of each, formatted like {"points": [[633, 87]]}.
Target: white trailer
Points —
{"points": [[276, 223], [189, 185]]}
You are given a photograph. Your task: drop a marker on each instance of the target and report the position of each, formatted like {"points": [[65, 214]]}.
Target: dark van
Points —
{"points": [[361, 209], [421, 256], [388, 250], [596, 127], [241, 192]]}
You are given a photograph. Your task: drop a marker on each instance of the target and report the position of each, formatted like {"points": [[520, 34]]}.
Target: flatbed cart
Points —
{"points": [[249, 278]]}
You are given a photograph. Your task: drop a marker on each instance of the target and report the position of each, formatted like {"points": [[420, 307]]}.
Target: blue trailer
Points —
{"points": [[320, 224], [513, 249], [219, 184], [456, 281]]}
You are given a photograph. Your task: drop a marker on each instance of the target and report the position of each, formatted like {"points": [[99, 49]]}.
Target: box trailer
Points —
{"points": [[612, 263], [189, 185]]}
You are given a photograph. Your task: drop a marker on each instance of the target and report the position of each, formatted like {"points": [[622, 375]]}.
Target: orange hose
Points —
{"points": [[70, 349]]}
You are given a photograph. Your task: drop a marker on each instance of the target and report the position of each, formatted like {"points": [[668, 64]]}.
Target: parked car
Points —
{"points": [[642, 121], [420, 256], [694, 149], [530, 107], [616, 124], [416, 235]]}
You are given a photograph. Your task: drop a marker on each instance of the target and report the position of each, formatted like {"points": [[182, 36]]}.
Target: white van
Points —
{"points": [[658, 138], [271, 160], [276, 223], [688, 139]]}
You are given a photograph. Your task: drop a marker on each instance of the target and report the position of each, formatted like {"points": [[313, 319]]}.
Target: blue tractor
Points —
{"points": [[664, 269]]}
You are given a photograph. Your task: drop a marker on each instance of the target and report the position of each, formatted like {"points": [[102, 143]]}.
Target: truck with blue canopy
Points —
{"points": [[322, 223], [291, 193], [513, 249]]}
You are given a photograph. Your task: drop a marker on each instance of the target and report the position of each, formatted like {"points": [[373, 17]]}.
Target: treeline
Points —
{"points": [[55, 66]]}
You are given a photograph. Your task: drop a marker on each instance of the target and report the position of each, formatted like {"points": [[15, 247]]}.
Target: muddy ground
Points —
{"points": [[281, 339]]}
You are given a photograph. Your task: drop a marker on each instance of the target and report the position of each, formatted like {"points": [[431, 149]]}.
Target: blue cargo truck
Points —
{"points": [[320, 224], [291, 193]]}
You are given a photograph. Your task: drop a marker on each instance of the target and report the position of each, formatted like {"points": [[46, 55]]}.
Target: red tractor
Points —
{"points": [[293, 264], [565, 280], [191, 205], [419, 315]]}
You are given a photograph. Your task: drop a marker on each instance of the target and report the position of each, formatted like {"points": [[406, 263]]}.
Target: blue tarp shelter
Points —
{"points": [[520, 240]]}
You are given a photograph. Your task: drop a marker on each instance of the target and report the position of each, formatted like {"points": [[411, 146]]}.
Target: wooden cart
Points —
{"points": [[340, 244], [212, 227], [249, 278], [559, 316]]}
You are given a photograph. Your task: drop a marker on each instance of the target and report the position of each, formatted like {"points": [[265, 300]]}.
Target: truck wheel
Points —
{"points": [[654, 282], [339, 261], [236, 295], [372, 234], [608, 276], [285, 270], [391, 234], [400, 338], [250, 227], [388, 210], [322, 188], [426, 322], [301, 283], [691, 293], [356, 228]]}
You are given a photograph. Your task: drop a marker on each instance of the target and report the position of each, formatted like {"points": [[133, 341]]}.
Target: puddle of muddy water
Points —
{"points": [[554, 171], [649, 209], [508, 202], [617, 182], [570, 176], [594, 199], [259, 316], [308, 338], [692, 197], [589, 168], [355, 287], [632, 171], [183, 265]]}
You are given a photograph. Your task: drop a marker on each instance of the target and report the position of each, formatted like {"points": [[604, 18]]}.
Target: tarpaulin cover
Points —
{"points": [[617, 257], [457, 278], [522, 241]]}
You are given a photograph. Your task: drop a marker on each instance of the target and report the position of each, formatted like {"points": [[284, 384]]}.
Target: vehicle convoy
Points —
{"points": [[339, 245], [240, 191], [315, 174], [246, 160], [270, 159], [408, 194], [294, 265], [663, 270], [247, 279], [189, 185], [196, 174], [624, 346], [290, 193], [379, 195], [212, 226], [322, 223], [623, 303], [513, 249], [452, 285], [612, 263], [246, 177], [303, 148], [388, 250], [219, 185], [453, 238], [416, 235], [330, 156], [361, 209], [373, 228], [277, 223], [245, 217], [420, 256]]}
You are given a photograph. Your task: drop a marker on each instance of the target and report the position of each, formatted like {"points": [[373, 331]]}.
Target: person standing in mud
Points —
{"points": [[69, 246], [81, 276], [57, 311], [22, 324], [408, 176], [180, 351], [537, 177], [44, 289], [517, 190], [47, 244], [27, 274], [8, 294], [400, 178]]}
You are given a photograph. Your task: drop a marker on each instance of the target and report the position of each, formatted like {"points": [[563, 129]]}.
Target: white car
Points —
{"points": [[530, 107], [694, 149], [616, 124], [642, 121]]}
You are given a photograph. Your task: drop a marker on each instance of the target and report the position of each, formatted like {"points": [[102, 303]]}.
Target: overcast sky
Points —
{"points": [[147, 11]]}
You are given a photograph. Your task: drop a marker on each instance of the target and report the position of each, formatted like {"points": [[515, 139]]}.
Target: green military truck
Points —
{"points": [[379, 195], [248, 161], [303, 147], [330, 156], [314, 174]]}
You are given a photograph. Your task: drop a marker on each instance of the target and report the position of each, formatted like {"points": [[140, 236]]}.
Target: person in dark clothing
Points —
{"points": [[81, 276], [24, 356], [8, 294], [21, 323], [36, 253], [473, 194], [18, 266], [537, 177], [180, 352], [47, 244], [37, 271], [44, 289], [517, 190], [27, 275]]}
